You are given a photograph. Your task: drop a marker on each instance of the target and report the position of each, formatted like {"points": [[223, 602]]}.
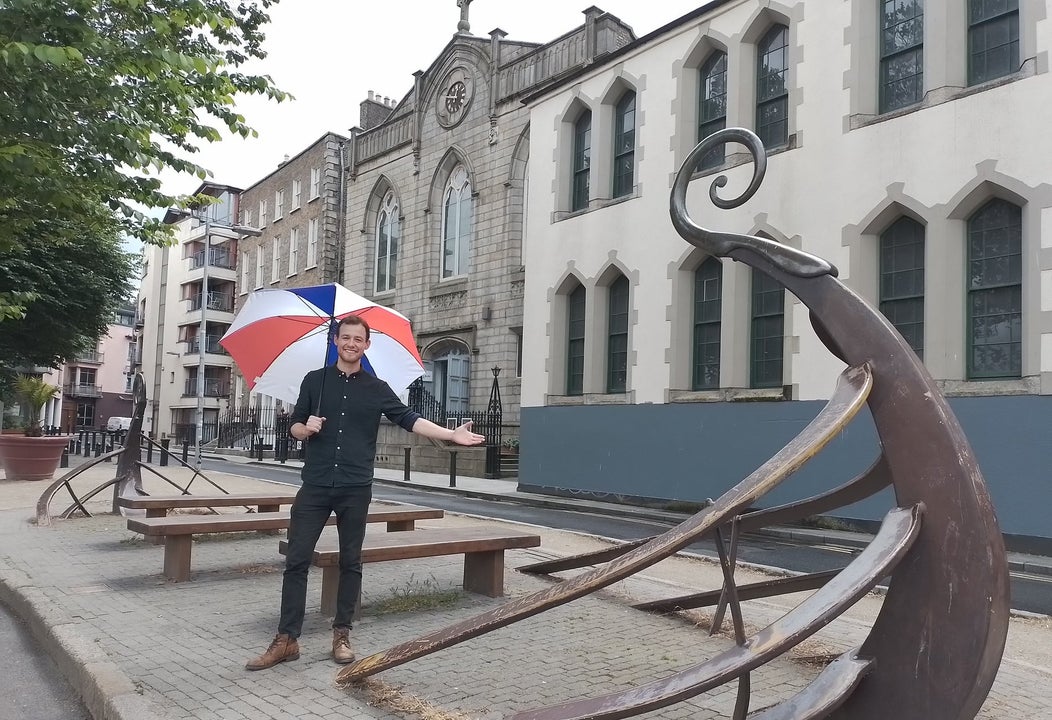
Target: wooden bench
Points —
{"points": [[178, 530], [483, 549], [160, 505]]}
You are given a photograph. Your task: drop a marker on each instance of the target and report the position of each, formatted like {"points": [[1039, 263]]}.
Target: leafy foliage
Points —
{"points": [[99, 96], [33, 392]]}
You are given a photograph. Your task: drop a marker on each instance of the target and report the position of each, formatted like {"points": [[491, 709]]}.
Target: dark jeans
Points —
{"points": [[311, 509]]}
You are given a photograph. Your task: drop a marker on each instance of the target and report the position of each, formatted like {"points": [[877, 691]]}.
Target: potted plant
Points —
{"points": [[510, 447], [32, 456]]}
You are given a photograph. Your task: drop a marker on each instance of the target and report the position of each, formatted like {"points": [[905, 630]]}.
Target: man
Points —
{"points": [[338, 415]]}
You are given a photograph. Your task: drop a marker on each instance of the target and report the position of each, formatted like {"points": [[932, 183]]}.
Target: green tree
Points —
{"points": [[97, 97]]}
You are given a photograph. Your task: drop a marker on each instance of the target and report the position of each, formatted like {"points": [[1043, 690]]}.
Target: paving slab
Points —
{"points": [[138, 647]]}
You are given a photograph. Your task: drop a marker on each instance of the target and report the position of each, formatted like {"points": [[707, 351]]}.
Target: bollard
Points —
{"points": [[186, 450], [405, 472], [64, 462], [98, 443], [259, 448], [165, 443], [149, 451], [452, 468]]}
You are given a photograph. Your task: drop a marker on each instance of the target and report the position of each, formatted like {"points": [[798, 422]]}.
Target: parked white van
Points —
{"points": [[118, 423]]}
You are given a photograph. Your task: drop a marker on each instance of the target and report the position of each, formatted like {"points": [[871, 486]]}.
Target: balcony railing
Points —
{"points": [[219, 257], [222, 302], [92, 357], [213, 388], [74, 390], [193, 347]]}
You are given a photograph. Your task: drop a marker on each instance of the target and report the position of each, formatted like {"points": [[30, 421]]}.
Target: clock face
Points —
{"points": [[454, 97]]}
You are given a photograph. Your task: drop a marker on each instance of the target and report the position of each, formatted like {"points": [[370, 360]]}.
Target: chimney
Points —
{"points": [[375, 109]]}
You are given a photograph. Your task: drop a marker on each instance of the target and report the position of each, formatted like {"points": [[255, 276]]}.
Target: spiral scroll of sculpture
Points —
{"points": [[936, 644]]}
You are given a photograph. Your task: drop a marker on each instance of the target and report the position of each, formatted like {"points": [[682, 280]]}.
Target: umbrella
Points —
{"points": [[281, 334]]}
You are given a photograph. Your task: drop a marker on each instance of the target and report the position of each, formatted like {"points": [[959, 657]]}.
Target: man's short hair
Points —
{"points": [[353, 320]]}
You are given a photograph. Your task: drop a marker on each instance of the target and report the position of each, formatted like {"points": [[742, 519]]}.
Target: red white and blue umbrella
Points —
{"points": [[281, 334]]}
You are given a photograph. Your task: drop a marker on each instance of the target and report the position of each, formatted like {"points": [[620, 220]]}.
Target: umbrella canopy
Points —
{"points": [[280, 335]]}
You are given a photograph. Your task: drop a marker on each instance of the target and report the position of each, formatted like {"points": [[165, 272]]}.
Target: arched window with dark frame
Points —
{"points": [[582, 161], [708, 312], [902, 280], [901, 53], [624, 144], [995, 291], [617, 336], [712, 106], [575, 329], [772, 87]]}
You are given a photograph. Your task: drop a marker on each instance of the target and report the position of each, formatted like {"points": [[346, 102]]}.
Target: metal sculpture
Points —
{"points": [[128, 477], [935, 646]]}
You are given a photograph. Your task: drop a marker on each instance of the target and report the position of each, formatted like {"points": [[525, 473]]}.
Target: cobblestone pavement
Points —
{"points": [[138, 647]]}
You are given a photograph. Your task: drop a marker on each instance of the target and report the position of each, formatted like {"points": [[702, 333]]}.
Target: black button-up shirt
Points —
{"points": [[343, 452]]}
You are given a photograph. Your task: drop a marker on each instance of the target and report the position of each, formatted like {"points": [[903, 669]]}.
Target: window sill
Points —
{"points": [[625, 398], [294, 273], [735, 159], [990, 388], [385, 293], [727, 395], [294, 209], [448, 285], [594, 205], [939, 96]]}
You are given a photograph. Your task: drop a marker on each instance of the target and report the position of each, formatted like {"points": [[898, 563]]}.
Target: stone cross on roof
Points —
{"points": [[463, 26]]}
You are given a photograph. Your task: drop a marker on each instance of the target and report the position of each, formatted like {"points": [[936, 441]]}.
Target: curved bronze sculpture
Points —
{"points": [[935, 647]]}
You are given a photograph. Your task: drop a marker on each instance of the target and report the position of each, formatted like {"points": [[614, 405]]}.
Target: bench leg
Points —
{"points": [[177, 557], [330, 584], [268, 508], [484, 573], [156, 512], [400, 525]]}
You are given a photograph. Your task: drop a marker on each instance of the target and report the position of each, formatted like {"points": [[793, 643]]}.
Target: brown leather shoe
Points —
{"points": [[282, 648], [341, 646]]}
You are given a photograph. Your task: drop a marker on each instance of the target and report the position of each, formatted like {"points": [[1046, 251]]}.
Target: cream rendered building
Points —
{"points": [[908, 145]]}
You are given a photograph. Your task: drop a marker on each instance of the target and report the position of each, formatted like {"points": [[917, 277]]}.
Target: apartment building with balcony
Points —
{"points": [[185, 305]]}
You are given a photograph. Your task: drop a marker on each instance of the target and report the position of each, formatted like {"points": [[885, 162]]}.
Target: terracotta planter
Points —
{"points": [[31, 458]]}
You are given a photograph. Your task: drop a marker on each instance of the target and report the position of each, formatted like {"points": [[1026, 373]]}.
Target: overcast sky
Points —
{"points": [[331, 53]]}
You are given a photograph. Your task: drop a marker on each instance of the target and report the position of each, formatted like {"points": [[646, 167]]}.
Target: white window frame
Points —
{"points": [[294, 250], [259, 266], [458, 189], [315, 183], [312, 243], [275, 261], [263, 213], [279, 203], [244, 272], [387, 216], [248, 218], [297, 191]]}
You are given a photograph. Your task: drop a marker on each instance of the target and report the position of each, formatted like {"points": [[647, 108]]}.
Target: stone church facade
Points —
{"points": [[436, 194]]}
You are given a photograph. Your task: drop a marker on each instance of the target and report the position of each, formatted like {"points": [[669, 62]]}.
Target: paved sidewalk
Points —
{"points": [[140, 648]]}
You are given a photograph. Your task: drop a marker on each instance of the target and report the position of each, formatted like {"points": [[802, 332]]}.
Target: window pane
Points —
{"points": [[712, 109], [768, 298], [993, 40], [995, 310], [575, 342], [708, 292], [624, 145], [902, 280], [617, 336], [582, 148], [772, 94]]}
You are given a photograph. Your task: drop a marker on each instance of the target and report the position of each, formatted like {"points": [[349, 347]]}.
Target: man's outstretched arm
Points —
{"points": [[462, 435]]}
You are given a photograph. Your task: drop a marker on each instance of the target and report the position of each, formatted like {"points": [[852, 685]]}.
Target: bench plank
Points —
{"points": [[483, 549], [178, 530], [170, 502]]}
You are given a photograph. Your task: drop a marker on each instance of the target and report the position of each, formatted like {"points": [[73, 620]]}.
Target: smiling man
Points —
{"points": [[338, 415]]}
